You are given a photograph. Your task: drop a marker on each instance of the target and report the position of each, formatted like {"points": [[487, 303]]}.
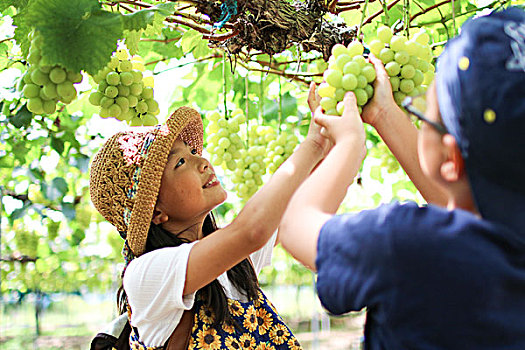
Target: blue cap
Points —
{"points": [[480, 85]]}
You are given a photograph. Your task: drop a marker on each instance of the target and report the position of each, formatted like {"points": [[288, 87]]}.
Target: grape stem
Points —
{"points": [[292, 76], [224, 88], [445, 19], [182, 64], [385, 10], [406, 17], [272, 70], [363, 13], [389, 6], [280, 106], [430, 8], [120, 2]]}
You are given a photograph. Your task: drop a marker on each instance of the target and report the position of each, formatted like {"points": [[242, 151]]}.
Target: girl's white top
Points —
{"points": [[154, 283]]}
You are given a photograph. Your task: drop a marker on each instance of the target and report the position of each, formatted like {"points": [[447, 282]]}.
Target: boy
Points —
{"points": [[431, 277]]}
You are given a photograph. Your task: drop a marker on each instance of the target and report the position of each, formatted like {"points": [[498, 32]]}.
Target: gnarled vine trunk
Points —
{"points": [[272, 26]]}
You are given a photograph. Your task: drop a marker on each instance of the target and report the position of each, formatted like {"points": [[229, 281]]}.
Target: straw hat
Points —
{"points": [[126, 172]]}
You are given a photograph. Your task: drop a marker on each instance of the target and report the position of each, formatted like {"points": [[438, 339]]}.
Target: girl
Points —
{"points": [[154, 186]]}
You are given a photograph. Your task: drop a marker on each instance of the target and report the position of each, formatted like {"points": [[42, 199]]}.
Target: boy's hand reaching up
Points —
{"points": [[398, 133], [348, 128], [321, 194], [382, 104]]}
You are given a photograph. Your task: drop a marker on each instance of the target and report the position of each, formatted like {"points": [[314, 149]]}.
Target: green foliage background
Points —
{"points": [[52, 240]]}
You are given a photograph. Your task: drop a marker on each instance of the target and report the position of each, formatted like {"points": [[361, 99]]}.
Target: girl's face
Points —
{"points": [[189, 189]]}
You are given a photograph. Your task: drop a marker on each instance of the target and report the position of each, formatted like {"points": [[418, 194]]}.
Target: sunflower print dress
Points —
{"points": [[259, 327]]}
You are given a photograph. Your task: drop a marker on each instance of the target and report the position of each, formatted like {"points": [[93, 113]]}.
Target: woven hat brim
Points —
{"points": [[184, 122]]}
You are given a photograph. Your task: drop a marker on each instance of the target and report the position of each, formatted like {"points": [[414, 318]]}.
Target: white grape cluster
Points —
{"points": [[247, 162], [347, 71], [407, 62], [224, 142], [247, 177], [228, 150], [279, 149], [44, 85], [250, 166], [123, 91]]}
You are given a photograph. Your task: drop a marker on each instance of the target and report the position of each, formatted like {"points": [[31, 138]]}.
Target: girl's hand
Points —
{"points": [[313, 98], [348, 127], [383, 101], [314, 131]]}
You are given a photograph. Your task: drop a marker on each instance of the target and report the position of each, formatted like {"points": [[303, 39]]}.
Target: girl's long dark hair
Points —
{"points": [[242, 275]]}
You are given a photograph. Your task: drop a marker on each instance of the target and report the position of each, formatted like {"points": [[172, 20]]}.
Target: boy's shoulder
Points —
{"points": [[410, 229], [413, 220], [397, 220]]}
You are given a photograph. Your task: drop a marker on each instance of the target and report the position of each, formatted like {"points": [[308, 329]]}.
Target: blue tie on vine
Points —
{"points": [[229, 8]]}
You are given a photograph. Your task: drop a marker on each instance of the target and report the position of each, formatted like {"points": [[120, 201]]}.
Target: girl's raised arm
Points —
{"points": [[259, 218]]}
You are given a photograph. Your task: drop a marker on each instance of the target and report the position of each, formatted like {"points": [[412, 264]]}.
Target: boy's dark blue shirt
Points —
{"points": [[430, 278]]}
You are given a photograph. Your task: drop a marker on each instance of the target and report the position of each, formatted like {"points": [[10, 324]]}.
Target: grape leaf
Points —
{"points": [[189, 40], [68, 210], [7, 161], [20, 150], [4, 4], [22, 118], [161, 48], [57, 144], [23, 28], [201, 49], [289, 105], [56, 189], [156, 27], [76, 35], [132, 40], [18, 213], [141, 19], [35, 174]]}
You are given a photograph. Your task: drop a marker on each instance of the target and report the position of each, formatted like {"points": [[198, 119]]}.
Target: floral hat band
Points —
{"points": [[126, 172]]}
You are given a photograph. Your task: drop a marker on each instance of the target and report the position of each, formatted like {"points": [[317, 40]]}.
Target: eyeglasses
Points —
{"points": [[414, 105]]}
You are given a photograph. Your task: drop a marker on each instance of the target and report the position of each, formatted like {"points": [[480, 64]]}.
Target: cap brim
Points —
{"points": [[185, 123]]}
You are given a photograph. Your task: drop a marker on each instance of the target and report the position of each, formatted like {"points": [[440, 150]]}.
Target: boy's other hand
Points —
{"points": [[348, 127], [383, 100], [314, 131]]}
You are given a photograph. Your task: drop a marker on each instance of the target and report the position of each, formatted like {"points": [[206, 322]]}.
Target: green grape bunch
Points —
{"points": [[255, 161], [124, 93], [279, 149], [45, 85], [246, 161], [228, 150], [408, 62], [224, 142], [348, 70], [247, 177]]}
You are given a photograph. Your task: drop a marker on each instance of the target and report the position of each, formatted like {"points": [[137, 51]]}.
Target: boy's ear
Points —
{"points": [[159, 217], [453, 168]]}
